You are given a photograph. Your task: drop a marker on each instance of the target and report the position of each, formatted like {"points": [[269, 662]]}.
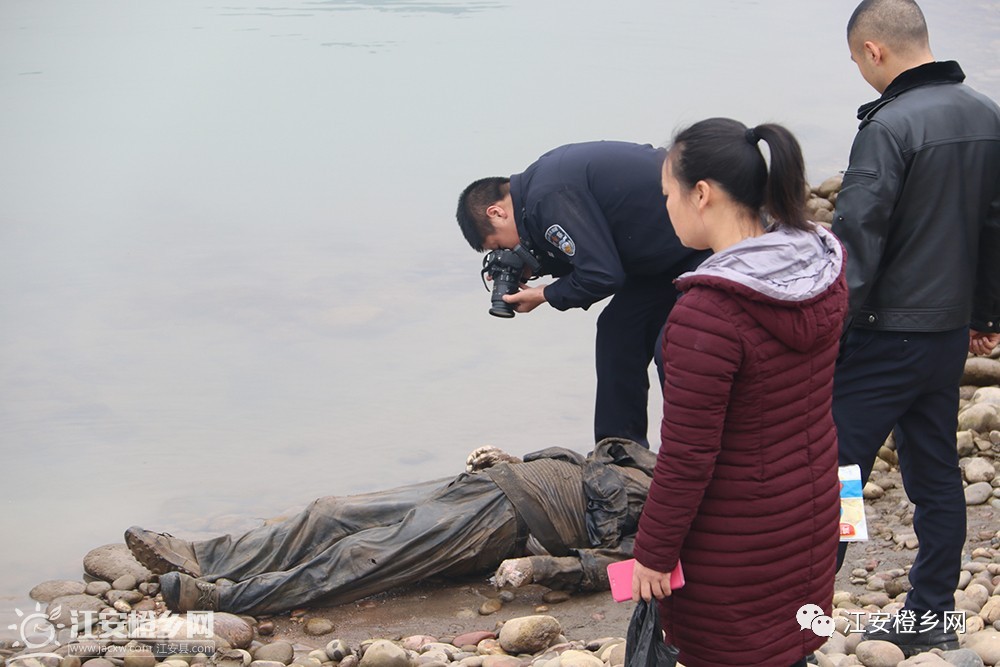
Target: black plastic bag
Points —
{"points": [[644, 645]]}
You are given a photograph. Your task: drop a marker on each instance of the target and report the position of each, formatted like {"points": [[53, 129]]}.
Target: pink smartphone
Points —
{"points": [[620, 576]]}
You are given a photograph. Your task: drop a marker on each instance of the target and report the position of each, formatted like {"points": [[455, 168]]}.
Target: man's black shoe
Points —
{"points": [[913, 640]]}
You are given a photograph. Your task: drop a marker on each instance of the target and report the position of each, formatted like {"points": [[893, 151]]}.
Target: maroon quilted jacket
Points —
{"points": [[745, 491]]}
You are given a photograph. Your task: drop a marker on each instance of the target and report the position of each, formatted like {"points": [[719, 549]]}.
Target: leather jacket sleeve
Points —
{"points": [[872, 185]]}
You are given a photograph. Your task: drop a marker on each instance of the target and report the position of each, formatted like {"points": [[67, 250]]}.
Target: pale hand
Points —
{"points": [[982, 343], [648, 584]]}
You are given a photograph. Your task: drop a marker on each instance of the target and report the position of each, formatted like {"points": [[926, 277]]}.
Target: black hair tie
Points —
{"points": [[751, 136]]}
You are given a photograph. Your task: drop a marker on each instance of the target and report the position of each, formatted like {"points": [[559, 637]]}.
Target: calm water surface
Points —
{"points": [[230, 276]]}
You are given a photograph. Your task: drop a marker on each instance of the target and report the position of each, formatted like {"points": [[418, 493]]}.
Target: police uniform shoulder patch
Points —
{"points": [[558, 237]]}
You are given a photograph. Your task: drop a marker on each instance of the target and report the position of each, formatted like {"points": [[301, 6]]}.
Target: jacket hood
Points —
{"points": [[791, 282]]}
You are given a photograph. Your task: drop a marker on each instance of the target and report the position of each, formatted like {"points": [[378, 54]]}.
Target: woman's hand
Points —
{"points": [[648, 584]]}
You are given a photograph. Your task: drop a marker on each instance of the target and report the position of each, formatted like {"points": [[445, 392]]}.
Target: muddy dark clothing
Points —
{"points": [[342, 549]]}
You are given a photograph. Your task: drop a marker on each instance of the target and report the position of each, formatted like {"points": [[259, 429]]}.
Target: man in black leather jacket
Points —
{"points": [[919, 215]]}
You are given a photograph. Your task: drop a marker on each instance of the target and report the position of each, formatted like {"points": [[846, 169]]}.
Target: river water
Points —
{"points": [[230, 276]]}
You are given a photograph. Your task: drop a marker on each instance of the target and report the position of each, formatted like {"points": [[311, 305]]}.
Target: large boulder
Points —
{"points": [[112, 561]]}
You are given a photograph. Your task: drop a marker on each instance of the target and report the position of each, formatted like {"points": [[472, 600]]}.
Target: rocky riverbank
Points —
{"points": [[471, 624]]}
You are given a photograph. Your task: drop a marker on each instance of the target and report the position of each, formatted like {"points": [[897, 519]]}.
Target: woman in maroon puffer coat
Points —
{"points": [[745, 492]]}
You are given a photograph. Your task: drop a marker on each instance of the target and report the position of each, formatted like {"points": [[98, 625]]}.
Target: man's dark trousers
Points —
{"points": [[909, 381], [628, 333]]}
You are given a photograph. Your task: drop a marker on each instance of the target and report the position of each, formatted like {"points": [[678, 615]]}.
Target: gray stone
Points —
{"points": [[35, 660], [140, 659], [233, 629], [987, 395], [879, 654], [337, 650], [491, 606], [966, 442], [126, 582], [383, 653], [978, 594], [830, 186], [979, 470], [100, 662], [529, 634], [981, 372], [277, 651], [60, 610], [980, 417], [128, 596], [97, 588], [47, 591], [70, 661], [573, 658], [979, 493], [986, 645], [925, 660], [317, 627], [266, 663], [112, 561], [349, 661], [962, 658]]}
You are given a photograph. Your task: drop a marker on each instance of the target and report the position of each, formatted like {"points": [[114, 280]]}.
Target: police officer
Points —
{"points": [[594, 214]]}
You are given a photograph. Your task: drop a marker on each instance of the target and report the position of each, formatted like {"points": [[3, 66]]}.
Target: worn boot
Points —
{"points": [[182, 593], [162, 552], [917, 639]]}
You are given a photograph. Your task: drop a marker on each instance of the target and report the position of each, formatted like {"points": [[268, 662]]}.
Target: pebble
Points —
{"points": [[506, 596], [980, 417], [265, 628], [126, 582], [986, 645], [962, 658], [47, 591], [491, 606], [473, 638], [555, 597], [277, 651], [383, 653], [129, 596], [990, 613], [872, 491], [979, 493], [979, 470], [233, 629], [337, 650], [529, 634], [879, 654], [317, 627], [60, 609]]}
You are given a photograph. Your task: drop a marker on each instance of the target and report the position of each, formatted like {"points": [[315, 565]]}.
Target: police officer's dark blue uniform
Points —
{"points": [[595, 215]]}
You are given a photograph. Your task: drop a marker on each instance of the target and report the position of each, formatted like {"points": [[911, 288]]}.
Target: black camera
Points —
{"points": [[506, 270]]}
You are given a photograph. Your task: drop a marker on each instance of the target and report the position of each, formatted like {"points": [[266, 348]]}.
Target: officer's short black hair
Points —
{"points": [[472, 205], [898, 23]]}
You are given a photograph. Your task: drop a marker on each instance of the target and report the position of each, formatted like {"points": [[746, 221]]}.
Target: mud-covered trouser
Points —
{"points": [[345, 548], [909, 381]]}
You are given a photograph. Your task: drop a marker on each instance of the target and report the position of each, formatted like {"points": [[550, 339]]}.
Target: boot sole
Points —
{"points": [[154, 560]]}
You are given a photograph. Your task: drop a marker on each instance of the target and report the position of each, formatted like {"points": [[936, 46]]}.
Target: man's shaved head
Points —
{"points": [[899, 24]]}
